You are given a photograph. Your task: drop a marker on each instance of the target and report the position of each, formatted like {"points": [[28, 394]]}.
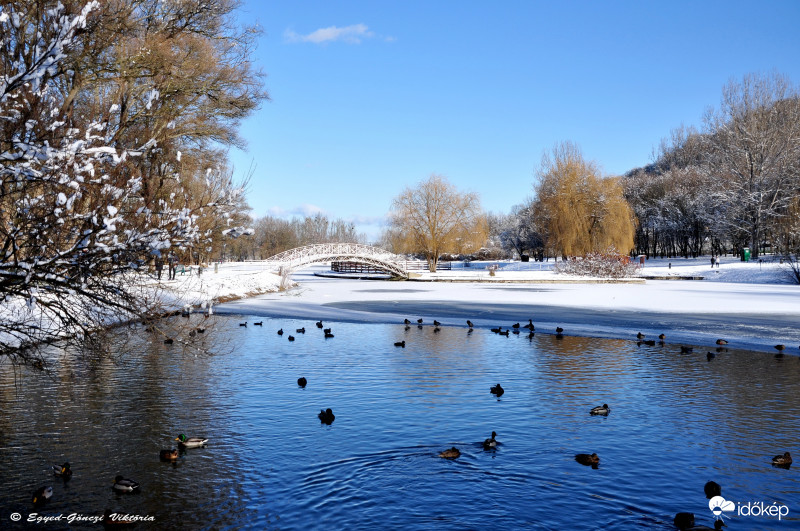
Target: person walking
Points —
{"points": [[159, 266], [172, 260]]}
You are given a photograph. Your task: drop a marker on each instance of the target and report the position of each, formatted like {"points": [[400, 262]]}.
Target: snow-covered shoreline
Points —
{"points": [[736, 304]]}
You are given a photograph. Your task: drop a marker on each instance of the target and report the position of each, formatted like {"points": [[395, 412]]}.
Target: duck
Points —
{"points": [[785, 459], [168, 455], [190, 442], [260, 323], [243, 324], [496, 330], [559, 330], [469, 323], [662, 337], [780, 348], [497, 390], [301, 330], [600, 410], [280, 332], [328, 335], [419, 321], [302, 382], [406, 321], [327, 330], [319, 324], [587, 459], [291, 338], [504, 333], [515, 325], [686, 350], [640, 336], [125, 485], [491, 442], [721, 342], [436, 323], [41, 495], [451, 453], [400, 344], [326, 416], [530, 326], [712, 489], [62, 471]]}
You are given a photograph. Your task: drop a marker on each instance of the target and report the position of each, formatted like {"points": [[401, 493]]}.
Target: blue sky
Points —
{"points": [[368, 98]]}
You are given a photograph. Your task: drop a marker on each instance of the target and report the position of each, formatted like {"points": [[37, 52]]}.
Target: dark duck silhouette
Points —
{"points": [[302, 382], [491, 442], [168, 455], [301, 330], [125, 485], [260, 323], [280, 332], [469, 323], [326, 416], [712, 489], [319, 324], [497, 390], [530, 326], [782, 460], [600, 410], [450, 453], [588, 459], [400, 344]]}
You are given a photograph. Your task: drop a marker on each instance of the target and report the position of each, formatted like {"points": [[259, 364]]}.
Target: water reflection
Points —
{"points": [[677, 421]]}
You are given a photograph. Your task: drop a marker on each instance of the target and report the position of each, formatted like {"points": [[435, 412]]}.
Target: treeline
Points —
{"points": [[735, 184], [272, 235]]}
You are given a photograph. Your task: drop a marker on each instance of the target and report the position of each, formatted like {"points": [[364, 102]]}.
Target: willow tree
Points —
{"points": [[436, 218], [581, 211]]}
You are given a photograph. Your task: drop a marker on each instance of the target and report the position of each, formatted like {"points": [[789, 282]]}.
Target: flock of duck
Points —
{"points": [[121, 483]]}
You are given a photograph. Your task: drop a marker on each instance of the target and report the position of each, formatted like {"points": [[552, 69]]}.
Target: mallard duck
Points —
{"points": [[168, 455], [436, 323], [302, 382], [419, 321], [662, 337], [587, 459], [451, 453], [326, 416], [400, 344], [600, 410], [640, 336], [721, 342], [491, 442], [190, 442], [125, 485], [62, 471], [785, 459], [712, 489], [41, 495], [497, 390]]}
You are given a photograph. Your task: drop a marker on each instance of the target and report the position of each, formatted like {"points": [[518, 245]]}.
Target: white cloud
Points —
{"points": [[349, 34], [301, 211]]}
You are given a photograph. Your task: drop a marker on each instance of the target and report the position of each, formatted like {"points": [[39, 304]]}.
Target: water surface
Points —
{"points": [[677, 421]]}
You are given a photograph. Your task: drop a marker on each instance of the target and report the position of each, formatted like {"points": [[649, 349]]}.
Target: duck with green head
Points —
{"points": [[190, 442]]}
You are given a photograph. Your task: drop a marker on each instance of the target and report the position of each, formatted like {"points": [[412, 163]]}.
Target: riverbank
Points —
{"points": [[742, 309]]}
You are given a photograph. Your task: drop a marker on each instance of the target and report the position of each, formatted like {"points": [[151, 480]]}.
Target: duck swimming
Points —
{"points": [[168, 455], [62, 471], [785, 459], [190, 442], [451, 453], [491, 442], [600, 410], [302, 382], [41, 495], [125, 485], [326, 416], [587, 459], [400, 344], [497, 390]]}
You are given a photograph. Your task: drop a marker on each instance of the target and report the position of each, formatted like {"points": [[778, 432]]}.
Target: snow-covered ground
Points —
{"points": [[753, 306]]}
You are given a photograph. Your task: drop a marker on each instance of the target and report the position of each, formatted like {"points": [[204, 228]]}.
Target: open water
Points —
{"points": [[676, 422]]}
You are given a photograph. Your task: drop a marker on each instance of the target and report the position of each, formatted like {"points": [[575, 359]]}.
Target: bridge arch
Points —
{"points": [[344, 252]]}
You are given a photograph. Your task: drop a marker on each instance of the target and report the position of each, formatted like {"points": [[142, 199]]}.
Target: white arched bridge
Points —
{"points": [[338, 252]]}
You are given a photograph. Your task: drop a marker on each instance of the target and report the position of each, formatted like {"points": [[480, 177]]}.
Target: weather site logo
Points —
{"points": [[720, 506]]}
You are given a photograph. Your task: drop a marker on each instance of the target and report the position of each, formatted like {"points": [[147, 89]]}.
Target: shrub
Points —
{"points": [[609, 264]]}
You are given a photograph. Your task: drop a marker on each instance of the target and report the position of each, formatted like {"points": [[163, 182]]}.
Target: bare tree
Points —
{"points": [[581, 211], [754, 150], [435, 218]]}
